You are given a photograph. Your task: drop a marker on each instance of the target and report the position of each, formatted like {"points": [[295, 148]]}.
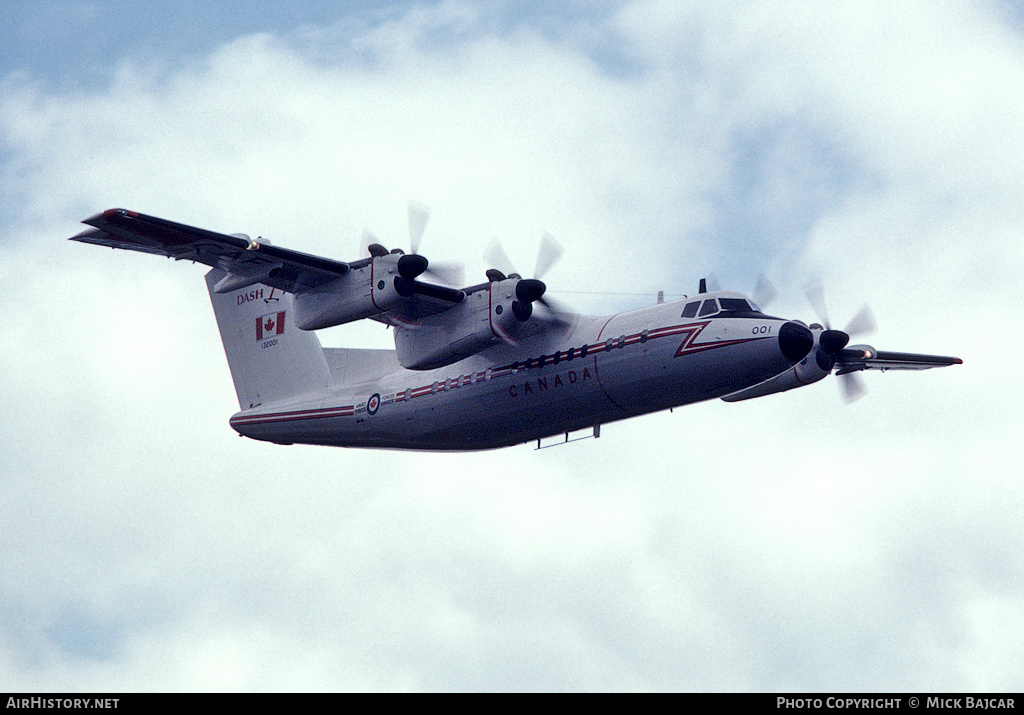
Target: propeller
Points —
{"points": [[831, 342], [548, 254], [764, 292], [412, 265], [419, 214], [372, 245], [528, 290], [495, 255], [449, 273]]}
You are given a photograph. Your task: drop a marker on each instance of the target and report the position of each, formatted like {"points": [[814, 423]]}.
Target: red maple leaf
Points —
{"points": [[269, 325]]}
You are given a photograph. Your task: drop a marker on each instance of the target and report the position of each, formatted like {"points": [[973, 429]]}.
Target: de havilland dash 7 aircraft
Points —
{"points": [[478, 367]]}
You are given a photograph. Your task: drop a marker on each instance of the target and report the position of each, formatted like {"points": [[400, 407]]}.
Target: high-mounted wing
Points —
{"points": [[384, 286], [864, 357], [246, 262]]}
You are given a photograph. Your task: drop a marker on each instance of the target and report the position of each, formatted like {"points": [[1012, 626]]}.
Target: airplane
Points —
{"points": [[481, 367]]}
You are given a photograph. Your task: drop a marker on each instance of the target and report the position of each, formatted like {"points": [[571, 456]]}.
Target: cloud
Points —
{"points": [[786, 543]]}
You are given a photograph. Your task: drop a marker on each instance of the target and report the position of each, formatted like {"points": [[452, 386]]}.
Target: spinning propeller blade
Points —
{"points": [[528, 290], [547, 255], [831, 342], [495, 256], [863, 323], [853, 387], [419, 214], [815, 293], [764, 292], [452, 274], [413, 265]]}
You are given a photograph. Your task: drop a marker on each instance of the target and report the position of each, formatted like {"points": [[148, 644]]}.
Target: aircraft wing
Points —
{"points": [[864, 357], [245, 261]]}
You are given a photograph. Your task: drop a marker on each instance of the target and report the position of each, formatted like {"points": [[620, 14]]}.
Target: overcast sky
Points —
{"points": [[788, 543]]}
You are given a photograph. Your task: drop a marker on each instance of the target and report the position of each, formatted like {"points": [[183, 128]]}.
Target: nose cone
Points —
{"points": [[795, 341]]}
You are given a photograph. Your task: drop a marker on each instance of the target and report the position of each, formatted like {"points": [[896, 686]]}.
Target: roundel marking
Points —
{"points": [[373, 404]]}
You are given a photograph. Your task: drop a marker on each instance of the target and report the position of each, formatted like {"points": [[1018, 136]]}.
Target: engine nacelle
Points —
{"points": [[361, 293], [504, 323], [486, 318], [441, 340], [815, 366]]}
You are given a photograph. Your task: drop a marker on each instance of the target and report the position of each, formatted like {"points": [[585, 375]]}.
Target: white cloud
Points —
{"points": [[788, 543]]}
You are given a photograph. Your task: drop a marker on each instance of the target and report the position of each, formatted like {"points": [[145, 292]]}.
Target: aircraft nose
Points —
{"points": [[795, 341]]}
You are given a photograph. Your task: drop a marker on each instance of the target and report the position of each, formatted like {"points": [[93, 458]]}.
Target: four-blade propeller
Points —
{"points": [[831, 342], [528, 290], [412, 265]]}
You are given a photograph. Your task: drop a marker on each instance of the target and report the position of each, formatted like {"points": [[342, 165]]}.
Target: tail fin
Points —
{"points": [[270, 359]]}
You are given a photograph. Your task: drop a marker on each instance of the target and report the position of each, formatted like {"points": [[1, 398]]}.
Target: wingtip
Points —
{"points": [[88, 233], [108, 215], [117, 213]]}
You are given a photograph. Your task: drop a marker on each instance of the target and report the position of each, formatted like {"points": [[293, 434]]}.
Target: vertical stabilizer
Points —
{"points": [[270, 359]]}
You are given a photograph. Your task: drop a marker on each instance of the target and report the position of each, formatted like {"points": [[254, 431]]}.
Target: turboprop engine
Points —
{"points": [[492, 313], [815, 366], [351, 297], [828, 351], [373, 286]]}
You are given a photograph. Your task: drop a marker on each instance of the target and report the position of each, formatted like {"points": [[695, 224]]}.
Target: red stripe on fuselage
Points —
{"points": [[687, 347]]}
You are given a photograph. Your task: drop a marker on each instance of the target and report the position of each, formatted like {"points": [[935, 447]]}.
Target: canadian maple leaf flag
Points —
{"points": [[267, 325]]}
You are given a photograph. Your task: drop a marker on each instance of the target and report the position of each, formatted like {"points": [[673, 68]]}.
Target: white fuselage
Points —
{"points": [[475, 367], [594, 371]]}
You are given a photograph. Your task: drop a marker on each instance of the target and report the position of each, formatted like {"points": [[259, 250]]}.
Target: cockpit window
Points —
{"points": [[691, 309], [737, 304], [710, 307]]}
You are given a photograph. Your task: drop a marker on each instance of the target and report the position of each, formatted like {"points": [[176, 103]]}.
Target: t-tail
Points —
{"points": [[270, 359]]}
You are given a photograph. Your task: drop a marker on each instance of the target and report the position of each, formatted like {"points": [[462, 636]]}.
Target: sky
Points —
{"points": [[789, 543]]}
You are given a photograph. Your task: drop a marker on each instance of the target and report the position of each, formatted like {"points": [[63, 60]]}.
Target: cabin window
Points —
{"points": [[691, 309], [710, 307]]}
